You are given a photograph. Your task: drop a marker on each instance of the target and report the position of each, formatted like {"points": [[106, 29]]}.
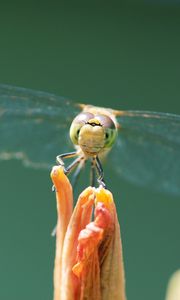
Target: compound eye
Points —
{"points": [[77, 124], [106, 121], [110, 130]]}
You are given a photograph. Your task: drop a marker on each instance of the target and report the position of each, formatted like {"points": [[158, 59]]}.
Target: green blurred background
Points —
{"points": [[123, 54]]}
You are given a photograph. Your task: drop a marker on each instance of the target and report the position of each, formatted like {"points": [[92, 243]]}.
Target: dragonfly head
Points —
{"points": [[93, 133]]}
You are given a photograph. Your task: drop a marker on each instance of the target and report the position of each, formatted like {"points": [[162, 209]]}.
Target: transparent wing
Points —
{"points": [[148, 150], [34, 125]]}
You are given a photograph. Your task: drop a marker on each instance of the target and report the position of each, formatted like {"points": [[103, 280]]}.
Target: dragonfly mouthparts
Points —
{"points": [[94, 122]]}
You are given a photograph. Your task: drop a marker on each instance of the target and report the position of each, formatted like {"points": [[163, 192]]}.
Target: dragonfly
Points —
{"points": [[144, 146]]}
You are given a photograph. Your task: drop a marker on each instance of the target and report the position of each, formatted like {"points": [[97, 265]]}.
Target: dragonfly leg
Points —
{"points": [[77, 172], [100, 172], [92, 172], [61, 157], [73, 165]]}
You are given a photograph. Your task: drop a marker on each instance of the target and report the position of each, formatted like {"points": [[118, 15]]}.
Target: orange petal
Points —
{"points": [[89, 239], [80, 218], [64, 199], [99, 265], [110, 254]]}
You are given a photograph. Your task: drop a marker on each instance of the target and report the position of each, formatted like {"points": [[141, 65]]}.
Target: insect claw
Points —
{"points": [[53, 233], [53, 188], [66, 172], [101, 183]]}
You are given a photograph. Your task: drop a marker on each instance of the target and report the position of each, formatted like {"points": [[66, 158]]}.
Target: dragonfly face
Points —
{"points": [[93, 133]]}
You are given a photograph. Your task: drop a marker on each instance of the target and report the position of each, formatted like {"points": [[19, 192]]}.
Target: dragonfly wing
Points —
{"points": [[34, 125], [148, 150]]}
